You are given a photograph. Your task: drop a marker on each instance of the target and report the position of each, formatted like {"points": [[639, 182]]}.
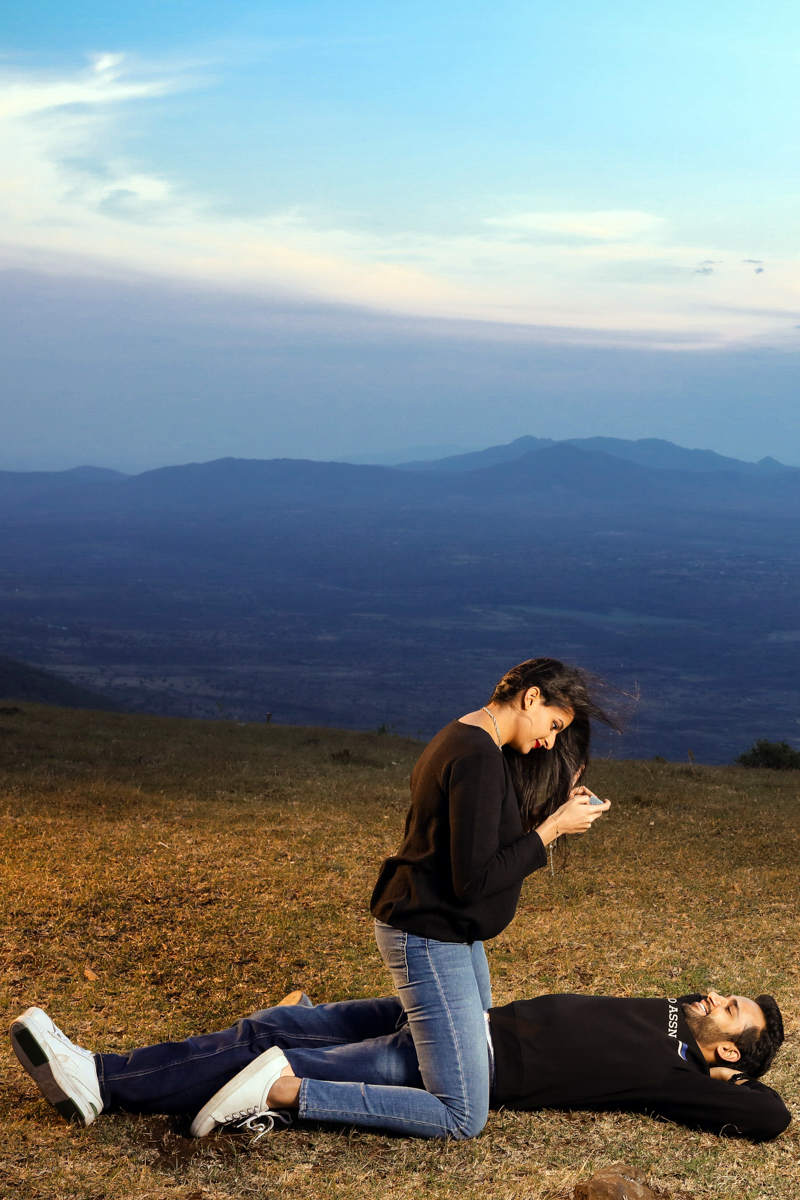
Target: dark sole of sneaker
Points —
{"points": [[36, 1063], [29, 1046], [69, 1111]]}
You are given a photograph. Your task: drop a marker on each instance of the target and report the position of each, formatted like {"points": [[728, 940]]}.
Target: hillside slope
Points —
{"points": [[164, 878], [21, 682]]}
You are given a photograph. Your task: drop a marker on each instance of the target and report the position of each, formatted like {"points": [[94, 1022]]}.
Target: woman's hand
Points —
{"points": [[576, 816]]}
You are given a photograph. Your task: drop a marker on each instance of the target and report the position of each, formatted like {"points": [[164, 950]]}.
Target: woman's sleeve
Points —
{"points": [[480, 866]]}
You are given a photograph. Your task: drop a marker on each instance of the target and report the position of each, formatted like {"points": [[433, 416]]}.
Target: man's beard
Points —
{"points": [[705, 1029]]}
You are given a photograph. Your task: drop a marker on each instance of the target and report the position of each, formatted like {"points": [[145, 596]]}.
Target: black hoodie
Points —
{"points": [[607, 1053]]}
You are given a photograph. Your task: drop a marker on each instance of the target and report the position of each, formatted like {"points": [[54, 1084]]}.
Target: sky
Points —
{"points": [[340, 229]]}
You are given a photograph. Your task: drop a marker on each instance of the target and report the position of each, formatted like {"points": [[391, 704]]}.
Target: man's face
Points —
{"points": [[716, 1018]]}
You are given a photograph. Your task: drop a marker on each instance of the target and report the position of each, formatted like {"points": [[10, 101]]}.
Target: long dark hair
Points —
{"points": [[543, 778]]}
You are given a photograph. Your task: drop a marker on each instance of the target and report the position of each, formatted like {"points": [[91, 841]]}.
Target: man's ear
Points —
{"points": [[727, 1053]]}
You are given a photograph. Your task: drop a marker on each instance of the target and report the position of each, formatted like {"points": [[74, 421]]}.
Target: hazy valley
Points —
{"points": [[356, 596]]}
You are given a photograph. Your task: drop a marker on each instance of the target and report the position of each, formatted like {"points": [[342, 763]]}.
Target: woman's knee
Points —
{"points": [[468, 1116], [471, 1125]]}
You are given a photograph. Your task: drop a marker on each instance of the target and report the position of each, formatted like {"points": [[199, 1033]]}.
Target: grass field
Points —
{"points": [[200, 870]]}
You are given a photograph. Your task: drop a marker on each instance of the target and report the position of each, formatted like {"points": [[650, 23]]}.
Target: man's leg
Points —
{"points": [[353, 1040]]}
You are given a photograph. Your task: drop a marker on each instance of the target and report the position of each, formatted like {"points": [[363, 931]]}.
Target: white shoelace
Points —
{"points": [[247, 1118], [55, 1032], [68, 1045]]}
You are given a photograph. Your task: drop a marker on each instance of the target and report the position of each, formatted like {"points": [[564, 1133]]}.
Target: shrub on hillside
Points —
{"points": [[778, 756]]}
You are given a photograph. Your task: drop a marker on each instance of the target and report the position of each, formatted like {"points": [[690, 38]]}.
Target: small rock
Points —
{"points": [[619, 1182]]}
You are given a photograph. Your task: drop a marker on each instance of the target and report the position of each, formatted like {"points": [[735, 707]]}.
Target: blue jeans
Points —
{"points": [[444, 988], [365, 1040], [362, 1062]]}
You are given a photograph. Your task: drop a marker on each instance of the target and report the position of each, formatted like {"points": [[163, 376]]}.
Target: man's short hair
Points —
{"points": [[758, 1047]]}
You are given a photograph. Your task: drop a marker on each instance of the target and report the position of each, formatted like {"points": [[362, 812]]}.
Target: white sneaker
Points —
{"points": [[244, 1098], [64, 1073]]}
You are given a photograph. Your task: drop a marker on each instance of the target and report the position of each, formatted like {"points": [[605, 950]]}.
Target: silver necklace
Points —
{"points": [[497, 731]]}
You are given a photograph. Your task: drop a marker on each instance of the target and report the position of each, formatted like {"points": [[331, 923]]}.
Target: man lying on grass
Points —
{"points": [[694, 1060]]}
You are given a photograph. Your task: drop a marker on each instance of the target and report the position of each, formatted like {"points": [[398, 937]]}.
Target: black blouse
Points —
{"points": [[458, 874]]}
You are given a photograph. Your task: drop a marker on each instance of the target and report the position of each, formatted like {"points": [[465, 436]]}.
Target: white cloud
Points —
{"points": [[65, 196], [106, 62], [23, 95]]}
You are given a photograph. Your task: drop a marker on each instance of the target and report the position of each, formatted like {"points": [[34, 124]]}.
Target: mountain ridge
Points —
{"points": [[21, 487], [580, 475], [656, 453]]}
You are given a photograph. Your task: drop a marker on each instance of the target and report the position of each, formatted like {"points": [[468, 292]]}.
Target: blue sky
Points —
{"points": [[549, 185]]}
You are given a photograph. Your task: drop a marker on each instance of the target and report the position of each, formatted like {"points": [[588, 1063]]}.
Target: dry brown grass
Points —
{"points": [[201, 870]]}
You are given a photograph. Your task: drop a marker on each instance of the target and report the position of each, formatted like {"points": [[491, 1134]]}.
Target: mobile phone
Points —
{"points": [[595, 800]]}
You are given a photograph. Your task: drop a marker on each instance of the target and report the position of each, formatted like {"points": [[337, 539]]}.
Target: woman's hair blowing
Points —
{"points": [[543, 778]]}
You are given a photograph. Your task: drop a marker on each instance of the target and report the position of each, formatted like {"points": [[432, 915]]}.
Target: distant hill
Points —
{"points": [[230, 485], [592, 484], [21, 485], [20, 682], [662, 455], [587, 475], [104, 474], [654, 469], [647, 452], [476, 459]]}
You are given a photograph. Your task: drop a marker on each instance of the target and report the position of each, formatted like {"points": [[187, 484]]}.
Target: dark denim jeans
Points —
{"points": [[364, 1040], [362, 1062]]}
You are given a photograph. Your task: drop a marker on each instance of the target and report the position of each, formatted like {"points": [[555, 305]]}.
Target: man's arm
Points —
{"points": [[746, 1109]]}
